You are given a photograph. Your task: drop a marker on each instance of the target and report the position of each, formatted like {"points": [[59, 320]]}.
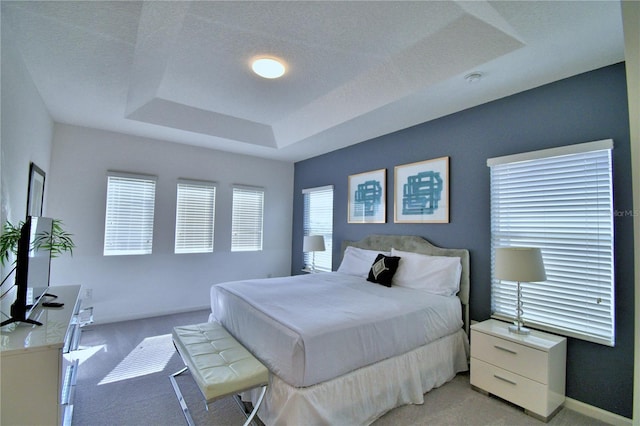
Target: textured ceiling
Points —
{"points": [[180, 71]]}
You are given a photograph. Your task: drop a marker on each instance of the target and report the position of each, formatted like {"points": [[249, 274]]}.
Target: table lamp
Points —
{"points": [[519, 264], [312, 244]]}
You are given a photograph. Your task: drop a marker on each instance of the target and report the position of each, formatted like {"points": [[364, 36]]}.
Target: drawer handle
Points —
{"points": [[506, 349], [511, 382]]}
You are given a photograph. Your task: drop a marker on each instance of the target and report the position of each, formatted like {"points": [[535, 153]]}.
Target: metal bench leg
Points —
{"points": [[183, 404], [185, 409], [255, 408]]}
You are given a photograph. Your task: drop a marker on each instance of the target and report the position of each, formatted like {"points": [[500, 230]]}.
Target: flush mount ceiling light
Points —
{"points": [[268, 67], [473, 77]]}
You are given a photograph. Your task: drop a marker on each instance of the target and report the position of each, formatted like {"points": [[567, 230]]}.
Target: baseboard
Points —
{"points": [[596, 413], [121, 318]]}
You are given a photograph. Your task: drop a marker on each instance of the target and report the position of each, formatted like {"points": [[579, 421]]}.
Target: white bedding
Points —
{"points": [[312, 328], [363, 395]]}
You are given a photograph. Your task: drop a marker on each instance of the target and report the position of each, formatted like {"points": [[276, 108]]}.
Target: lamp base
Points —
{"points": [[519, 330]]}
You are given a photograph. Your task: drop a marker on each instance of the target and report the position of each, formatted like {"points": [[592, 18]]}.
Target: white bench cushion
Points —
{"points": [[219, 364]]}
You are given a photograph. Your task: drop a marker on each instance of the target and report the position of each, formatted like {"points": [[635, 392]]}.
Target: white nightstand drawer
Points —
{"points": [[524, 392], [526, 369], [522, 360]]}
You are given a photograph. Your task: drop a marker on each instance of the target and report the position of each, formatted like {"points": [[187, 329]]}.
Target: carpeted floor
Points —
{"points": [[123, 380]]}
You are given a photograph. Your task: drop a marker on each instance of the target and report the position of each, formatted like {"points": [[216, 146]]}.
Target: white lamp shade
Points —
{"points": [[522, 264], [313, 243]]}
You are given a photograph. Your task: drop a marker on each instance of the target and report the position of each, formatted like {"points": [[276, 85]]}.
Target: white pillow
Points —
{"points": [[434, 274], [357, 261]]}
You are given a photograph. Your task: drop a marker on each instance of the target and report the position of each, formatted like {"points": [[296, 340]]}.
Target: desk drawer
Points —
{"points": [[521, 391], [522, 360]]}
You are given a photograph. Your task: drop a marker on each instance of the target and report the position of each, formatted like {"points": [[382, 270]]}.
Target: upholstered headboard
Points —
{"points": [[417, 244]]}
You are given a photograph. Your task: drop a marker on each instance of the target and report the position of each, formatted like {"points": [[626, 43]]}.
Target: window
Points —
{"points": [[318, 220], [561, 201], [247, 218], [129, 217], [195, 217]]}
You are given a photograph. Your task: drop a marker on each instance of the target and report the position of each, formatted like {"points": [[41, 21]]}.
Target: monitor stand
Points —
{"points": [[16, 312], [27, 320]]}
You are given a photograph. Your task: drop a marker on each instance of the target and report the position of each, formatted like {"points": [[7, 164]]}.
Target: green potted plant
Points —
{"points": [[57, 242]]}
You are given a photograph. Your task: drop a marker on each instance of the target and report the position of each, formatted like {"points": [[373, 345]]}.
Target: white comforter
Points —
{"points": [[311, 328]]}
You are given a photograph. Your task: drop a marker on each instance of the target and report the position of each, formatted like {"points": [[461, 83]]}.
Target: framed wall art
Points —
{"points": [[422, 192], [367, 197], [35, 190]]}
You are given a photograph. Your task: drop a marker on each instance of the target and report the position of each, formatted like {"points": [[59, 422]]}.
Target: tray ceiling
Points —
{"points": [[180, 71]]}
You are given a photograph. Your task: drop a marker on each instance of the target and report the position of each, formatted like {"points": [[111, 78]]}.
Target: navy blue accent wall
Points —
{"points": [[584, 108]]}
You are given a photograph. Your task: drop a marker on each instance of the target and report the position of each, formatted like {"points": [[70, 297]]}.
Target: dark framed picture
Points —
{"points": [[367, 197], [422, 192], [35, 191]]}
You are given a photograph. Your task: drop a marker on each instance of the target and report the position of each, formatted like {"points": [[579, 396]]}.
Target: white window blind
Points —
{"points": [[318, 220], [561, 201], [129, 216], [247, 219], [195, 217]]}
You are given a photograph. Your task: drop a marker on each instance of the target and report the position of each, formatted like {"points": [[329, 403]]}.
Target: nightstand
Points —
{"points": [[527, 370]]}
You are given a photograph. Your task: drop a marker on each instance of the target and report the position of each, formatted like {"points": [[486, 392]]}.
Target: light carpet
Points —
{"points": [[123, 380]]}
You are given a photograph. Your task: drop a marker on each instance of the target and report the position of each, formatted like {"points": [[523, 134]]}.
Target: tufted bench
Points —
{"points": [[218, 363]]}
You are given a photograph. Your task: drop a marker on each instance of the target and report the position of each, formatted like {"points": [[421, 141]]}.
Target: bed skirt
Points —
{"points": [[364, 395]]}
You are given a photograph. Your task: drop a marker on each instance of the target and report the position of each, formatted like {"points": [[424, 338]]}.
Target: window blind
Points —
{"points": [[129, 214], [195, 217], [318, 220], [247, 219], [561, 202]]}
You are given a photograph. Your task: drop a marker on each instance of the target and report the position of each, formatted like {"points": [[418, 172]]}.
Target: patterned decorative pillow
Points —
{"points": [[383, 269]]}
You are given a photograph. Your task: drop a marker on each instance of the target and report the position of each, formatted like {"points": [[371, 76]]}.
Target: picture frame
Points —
{"points": [[367, 197], [35, 190], [422, 192]]}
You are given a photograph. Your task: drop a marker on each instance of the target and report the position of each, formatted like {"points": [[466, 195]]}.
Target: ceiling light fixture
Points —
{"points": [[268, 68], [473, 77]]}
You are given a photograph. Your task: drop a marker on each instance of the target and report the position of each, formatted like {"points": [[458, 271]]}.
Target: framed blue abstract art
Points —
{"points": [[367, 197], [422, 192]]}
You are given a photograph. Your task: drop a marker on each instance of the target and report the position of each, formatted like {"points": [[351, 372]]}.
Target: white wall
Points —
{"points": [[26, 131], [631, 21], [127, 287], [26, 135]]}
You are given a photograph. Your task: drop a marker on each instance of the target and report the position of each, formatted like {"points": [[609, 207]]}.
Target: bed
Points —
{"points": [[343, 350]]}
